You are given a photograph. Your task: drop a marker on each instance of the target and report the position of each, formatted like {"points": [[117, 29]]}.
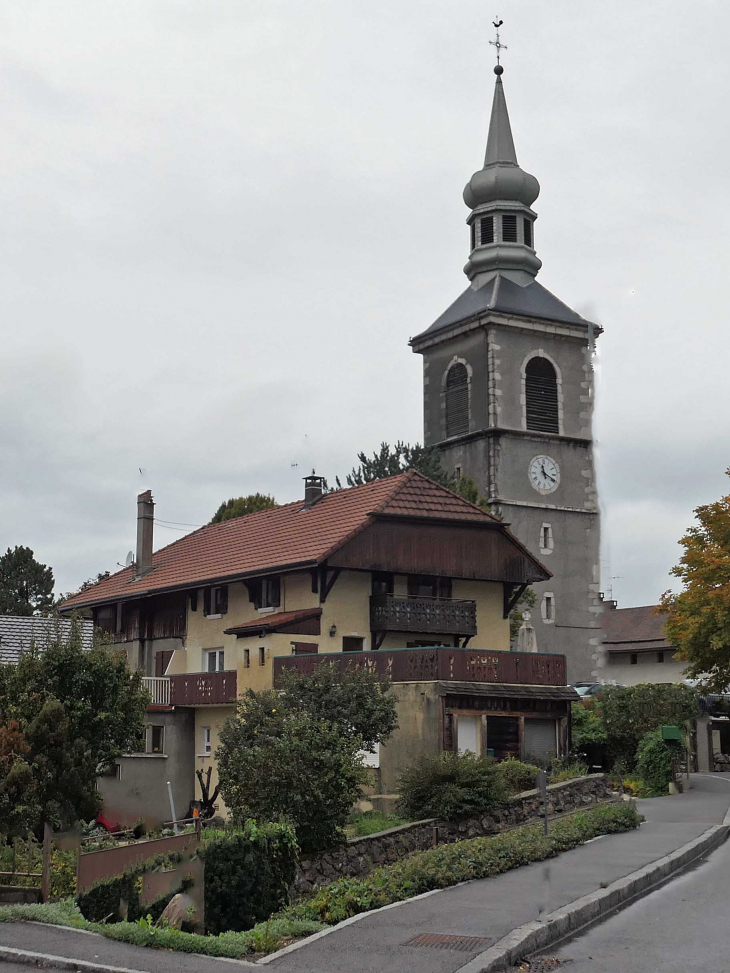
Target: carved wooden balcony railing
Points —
{"points": [[442, 663], [433, 616], [203, 688]]}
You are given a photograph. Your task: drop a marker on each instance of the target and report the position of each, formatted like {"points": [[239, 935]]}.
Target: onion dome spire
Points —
{"points": [[500, 196]]}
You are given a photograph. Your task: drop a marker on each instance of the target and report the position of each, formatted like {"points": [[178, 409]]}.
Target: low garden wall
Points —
{"points": [[361, 855]]}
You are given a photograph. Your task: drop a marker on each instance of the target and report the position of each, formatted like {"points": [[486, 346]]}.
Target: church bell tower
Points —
{"points": [[508, 398]]}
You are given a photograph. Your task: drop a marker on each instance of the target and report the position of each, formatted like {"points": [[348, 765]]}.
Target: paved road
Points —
{"points": [[682, 927], [489, 908]]}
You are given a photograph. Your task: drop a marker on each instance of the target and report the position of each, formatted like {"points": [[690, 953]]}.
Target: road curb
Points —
{"points": [[584, 912], [10, 955]]}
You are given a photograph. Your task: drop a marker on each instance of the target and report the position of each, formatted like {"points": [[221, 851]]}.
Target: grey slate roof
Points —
{"points": [[502, 294], [510, 690], [634, 630], [18, 633]]}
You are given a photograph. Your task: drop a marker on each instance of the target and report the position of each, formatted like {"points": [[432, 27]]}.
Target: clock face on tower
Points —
{"points": [[544, 474]]}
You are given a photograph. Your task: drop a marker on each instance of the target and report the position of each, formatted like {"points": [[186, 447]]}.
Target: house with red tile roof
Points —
{"points": [[400, 573], [636, 649]]}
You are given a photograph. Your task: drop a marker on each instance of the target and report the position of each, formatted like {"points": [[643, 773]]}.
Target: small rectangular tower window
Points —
{"points": [[660, 657], [546, 539], [548, 608], [633, 659], [528, 232], [509, 228], [473, 229], [486, 230]]}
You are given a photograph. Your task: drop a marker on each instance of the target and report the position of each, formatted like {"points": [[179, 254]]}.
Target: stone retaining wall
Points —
{"points": [[361, 855]]}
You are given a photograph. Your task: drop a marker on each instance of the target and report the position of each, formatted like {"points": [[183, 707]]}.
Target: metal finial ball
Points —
{"points": [[498, 69]]}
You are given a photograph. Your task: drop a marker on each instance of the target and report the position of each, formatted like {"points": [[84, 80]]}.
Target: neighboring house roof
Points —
{"points": [[18, 633], [634, 630], [292, 536], [274, 623], [503, 295]]}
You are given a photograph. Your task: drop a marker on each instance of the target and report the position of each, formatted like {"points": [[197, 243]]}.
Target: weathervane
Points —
{"points": [[497, 43]]}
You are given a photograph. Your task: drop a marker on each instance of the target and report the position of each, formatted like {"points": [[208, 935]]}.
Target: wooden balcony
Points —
{"points": [[430, 616], [442, 663], [203, 688]]}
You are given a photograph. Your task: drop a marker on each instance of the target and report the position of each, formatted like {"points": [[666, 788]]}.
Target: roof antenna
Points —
{"points": [[499, 45]]}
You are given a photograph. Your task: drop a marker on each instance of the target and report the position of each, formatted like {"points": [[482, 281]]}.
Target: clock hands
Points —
{"points": [[545, 473]]}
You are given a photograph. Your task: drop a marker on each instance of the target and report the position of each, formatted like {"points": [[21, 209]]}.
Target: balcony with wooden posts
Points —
{"points": [[193, 689], [441, 664], [423, 615]]}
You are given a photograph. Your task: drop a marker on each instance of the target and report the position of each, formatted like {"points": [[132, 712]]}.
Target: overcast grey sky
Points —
{"points": [[222, 220]]}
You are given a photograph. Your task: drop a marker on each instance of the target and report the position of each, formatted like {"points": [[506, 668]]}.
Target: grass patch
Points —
{"points": [[266, 937], [371, 822], [461, 861]]}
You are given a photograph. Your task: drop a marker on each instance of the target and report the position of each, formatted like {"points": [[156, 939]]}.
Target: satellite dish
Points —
{"points": [[130, 559]]}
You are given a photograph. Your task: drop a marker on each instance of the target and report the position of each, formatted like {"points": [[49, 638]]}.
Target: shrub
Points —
{"points": [[636, 787], [63, 874], [247, 876], [561, 770], [628, 714], [517, 776], [277, 763], [450, 786], [371, 822], [462, 861], [654, 761]]}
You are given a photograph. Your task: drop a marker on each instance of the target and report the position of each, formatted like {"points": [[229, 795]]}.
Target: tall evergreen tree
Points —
{"points": [[26, 586]]}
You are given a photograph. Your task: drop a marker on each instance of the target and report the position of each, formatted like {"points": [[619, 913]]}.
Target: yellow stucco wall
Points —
{"points": [[214, 717]]}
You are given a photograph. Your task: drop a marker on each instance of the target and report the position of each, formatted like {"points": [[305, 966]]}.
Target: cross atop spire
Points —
{"points": [[498, 44]]}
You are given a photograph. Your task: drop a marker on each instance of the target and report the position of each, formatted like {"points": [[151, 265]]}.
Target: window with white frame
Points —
{"points": [[206, 745], [215, 660], [546, 539], [547, 608]]}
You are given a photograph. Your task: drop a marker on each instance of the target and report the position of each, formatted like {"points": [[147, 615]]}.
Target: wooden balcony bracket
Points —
{"points": [[512, 594]]}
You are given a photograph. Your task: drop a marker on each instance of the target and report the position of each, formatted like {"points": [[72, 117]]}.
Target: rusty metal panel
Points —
{"points": [[442, 663], [203, 688]]}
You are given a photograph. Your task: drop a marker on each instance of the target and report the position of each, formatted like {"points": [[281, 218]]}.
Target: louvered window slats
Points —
{"points": [[509, 229], [457, 400], [486, 230], [528, 233], [541, 397]]}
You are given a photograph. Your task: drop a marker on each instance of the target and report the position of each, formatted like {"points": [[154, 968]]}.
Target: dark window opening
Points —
{"points": [[215, 600], [528, 232], [265, 592], [509, 229], [486, 230], [351, 643], [457, 400], [660, 657], [382, 583], [157, 739], [246, 658], [473, 235], [262, 655], [428, 586], [541, 395], [633, 659]]}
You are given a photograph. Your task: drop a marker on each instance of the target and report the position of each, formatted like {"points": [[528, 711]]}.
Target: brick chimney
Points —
{"points": [[145, 525], [313, 489]]}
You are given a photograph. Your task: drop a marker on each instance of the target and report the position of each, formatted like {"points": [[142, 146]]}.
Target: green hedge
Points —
{"points": [[101, 901], [516, 776], [247, 875], [654, 761], [462, 861], [450, 786]]}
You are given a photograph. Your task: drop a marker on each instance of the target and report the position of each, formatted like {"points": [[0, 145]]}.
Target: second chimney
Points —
{"points": [[313, 489], [145, 525]]}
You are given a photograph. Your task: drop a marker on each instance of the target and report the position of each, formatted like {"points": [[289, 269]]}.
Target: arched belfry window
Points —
{"points": [[541, 395], [457, 400]]}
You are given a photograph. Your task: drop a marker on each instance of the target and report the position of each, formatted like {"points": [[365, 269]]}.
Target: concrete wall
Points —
{"points": [[617, 668], [418, 732], [141, 789]]}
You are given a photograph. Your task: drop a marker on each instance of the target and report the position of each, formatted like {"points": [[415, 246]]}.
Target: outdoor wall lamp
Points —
{"points": [[333, 631]]}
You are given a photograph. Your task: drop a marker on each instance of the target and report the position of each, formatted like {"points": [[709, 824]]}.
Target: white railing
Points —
{"points": [[158, 688]]}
